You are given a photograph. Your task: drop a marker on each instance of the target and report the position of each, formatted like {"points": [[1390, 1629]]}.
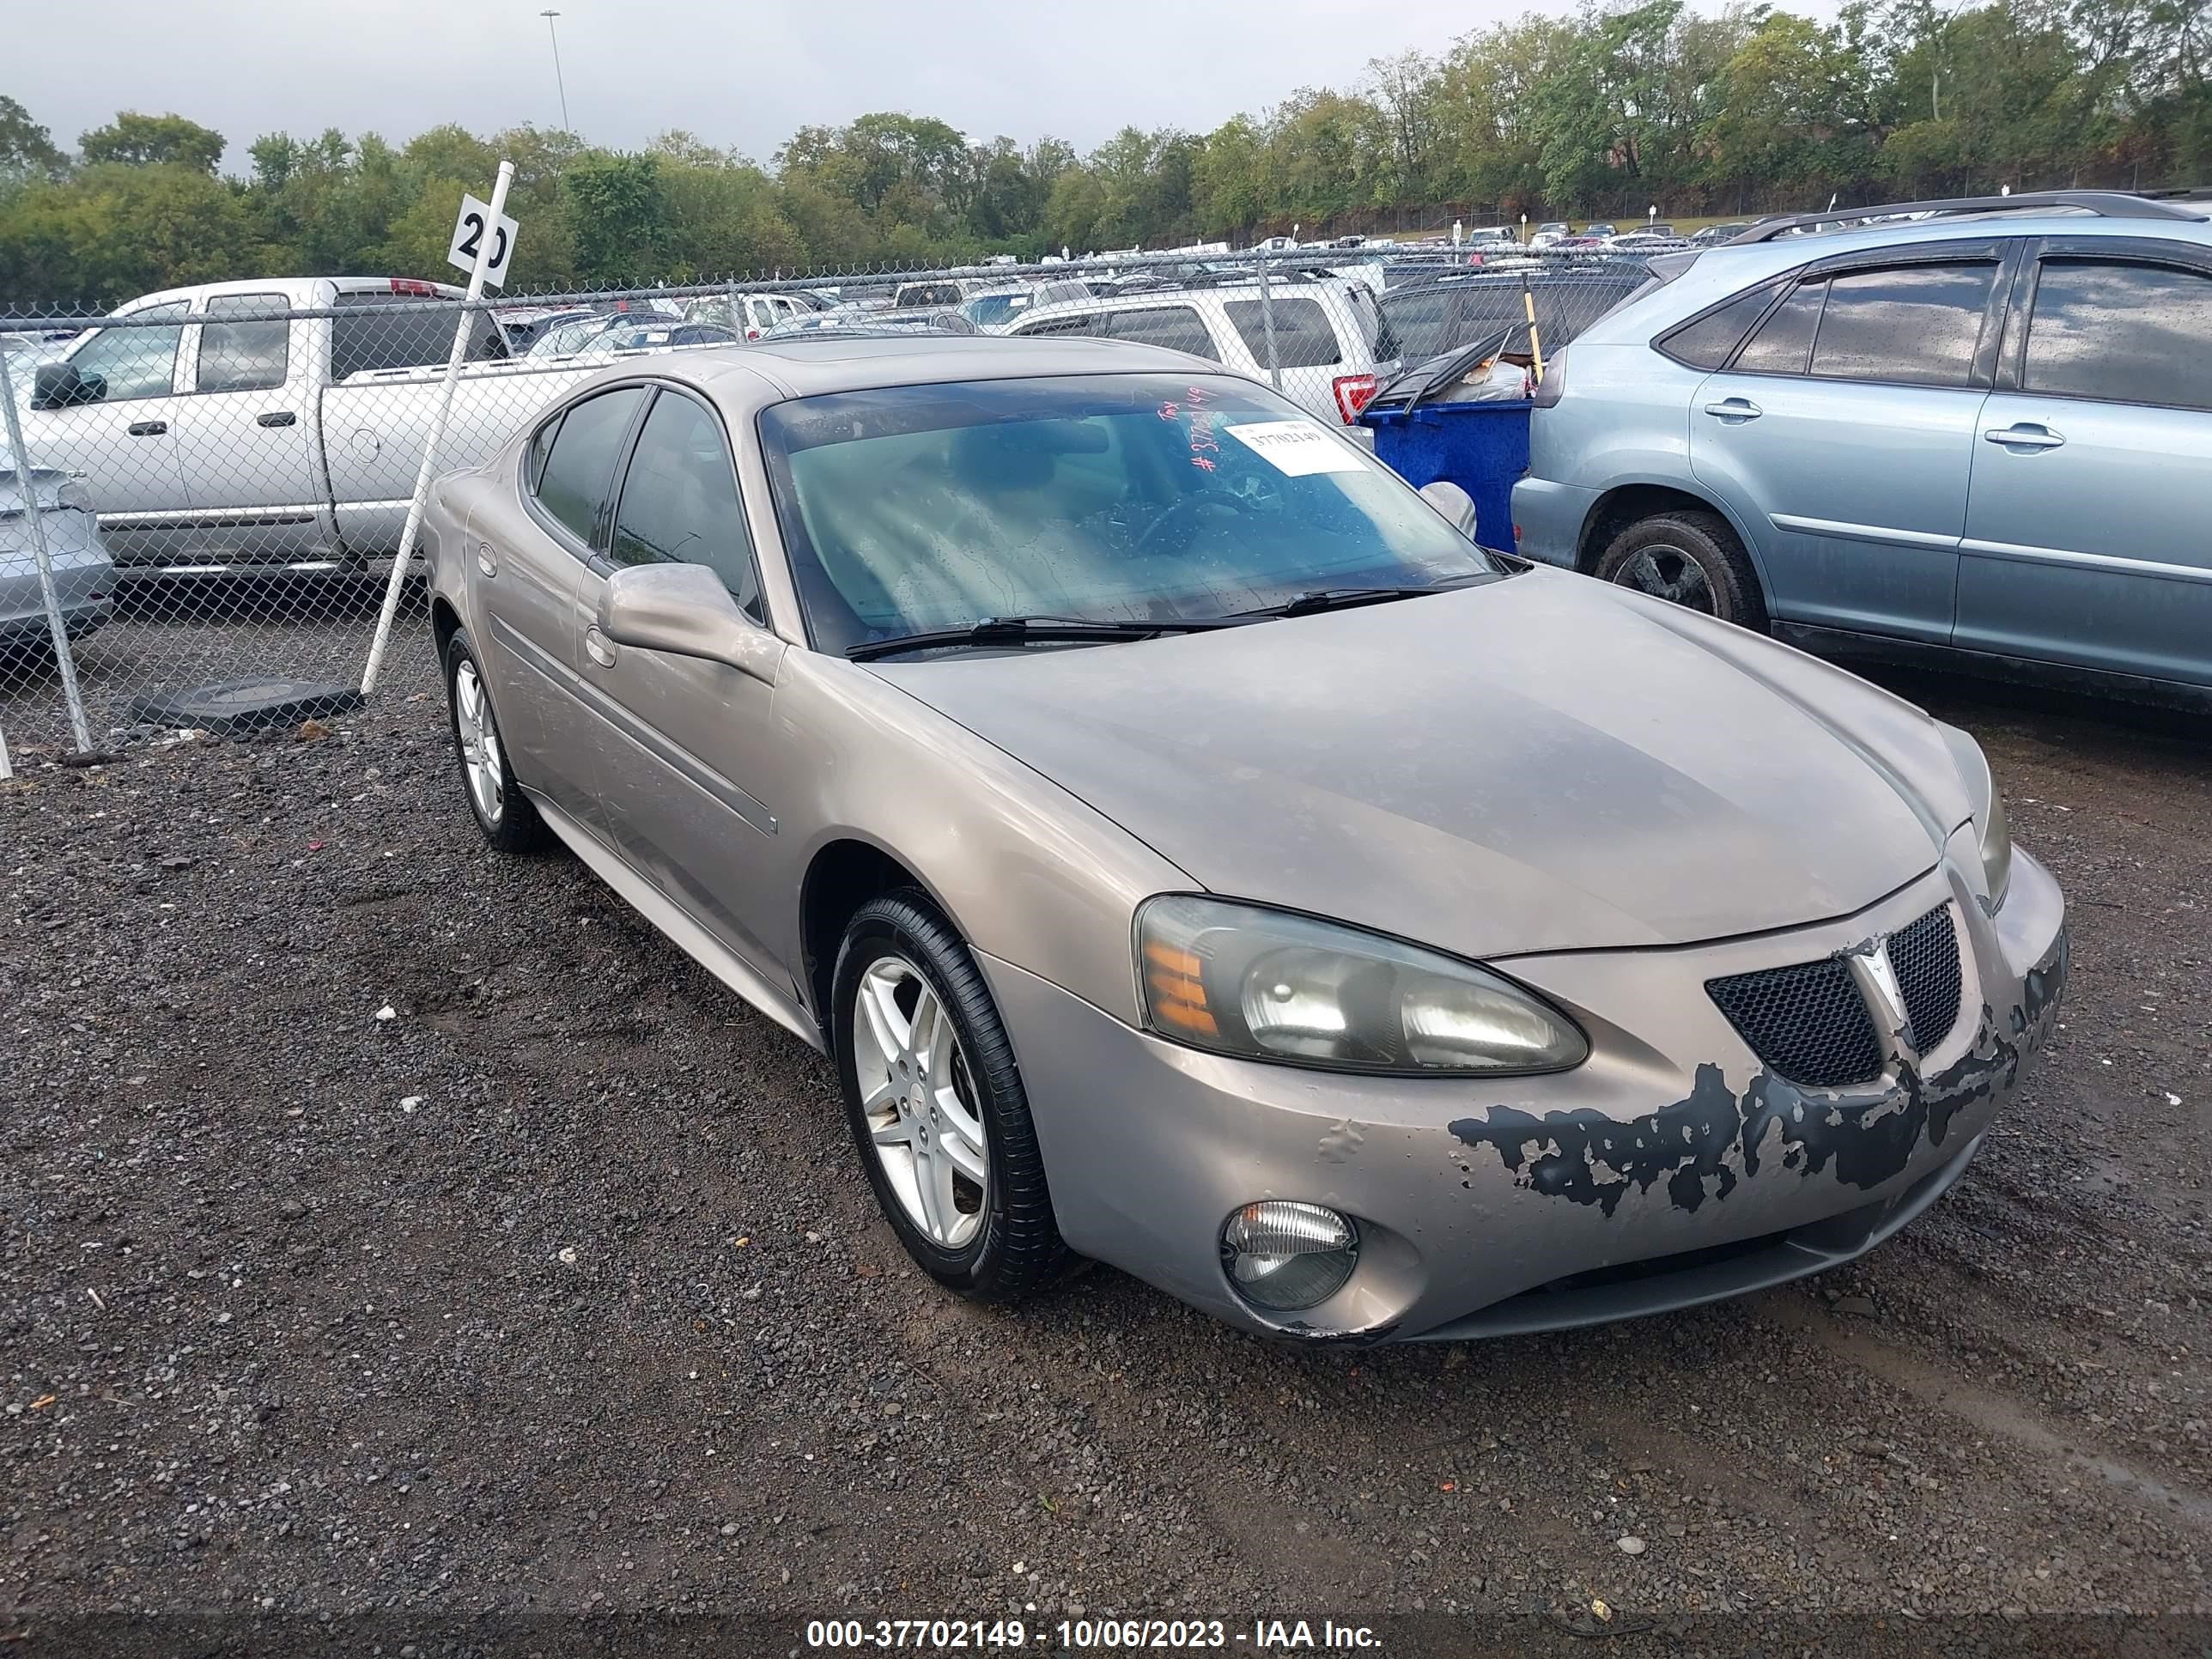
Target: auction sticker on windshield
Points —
{"points": [[1296, 448]]}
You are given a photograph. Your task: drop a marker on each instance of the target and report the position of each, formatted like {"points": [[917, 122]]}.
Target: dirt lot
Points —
{"points": [[555, 1289]]}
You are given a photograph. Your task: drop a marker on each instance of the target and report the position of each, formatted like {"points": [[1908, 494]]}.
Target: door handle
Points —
{"points": [[2026, 435], [1735, 408], [147, 429], [598, 647], [275, 417]]}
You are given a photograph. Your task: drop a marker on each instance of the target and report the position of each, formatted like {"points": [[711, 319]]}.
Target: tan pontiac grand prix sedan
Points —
{"points": [[1196, 854]]}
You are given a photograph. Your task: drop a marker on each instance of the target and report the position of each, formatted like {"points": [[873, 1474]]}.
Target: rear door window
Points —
{"points": [[1706, 343], [1910, 326], [1303, 338], [1179, 328], [579, 466], [373, 332], [2121, 333], [1784, 341], [244, 356]]}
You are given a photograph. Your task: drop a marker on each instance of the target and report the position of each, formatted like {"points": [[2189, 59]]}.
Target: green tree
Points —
{"points": [[618, 214], [1489, 148], [146, 141], [26, 149], [1229, 187], [114, 232]]}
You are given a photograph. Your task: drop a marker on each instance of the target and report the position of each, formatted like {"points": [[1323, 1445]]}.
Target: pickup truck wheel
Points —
{"points": [[1690, 559], [936, 1104], [502, 811]]}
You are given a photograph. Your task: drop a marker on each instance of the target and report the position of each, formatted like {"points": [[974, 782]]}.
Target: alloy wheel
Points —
{"points": [[918, 1099], [481, 759], [1669, 574]]}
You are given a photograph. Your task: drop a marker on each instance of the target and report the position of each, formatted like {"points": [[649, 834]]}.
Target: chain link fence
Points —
{"points": [[211, 484]]}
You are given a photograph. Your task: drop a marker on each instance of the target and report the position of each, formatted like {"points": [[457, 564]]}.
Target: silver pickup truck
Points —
{"points": [[224, 440]]}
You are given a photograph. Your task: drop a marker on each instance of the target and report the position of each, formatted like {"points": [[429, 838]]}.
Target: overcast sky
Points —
{"points": [[742, 75]]}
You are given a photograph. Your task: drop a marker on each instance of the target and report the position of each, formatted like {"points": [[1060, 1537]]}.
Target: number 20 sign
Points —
{"points": [[475, 230]]}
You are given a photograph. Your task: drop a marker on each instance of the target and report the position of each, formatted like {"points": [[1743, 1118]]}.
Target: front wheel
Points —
{"points": [[936, 1104], [1690, 559]]}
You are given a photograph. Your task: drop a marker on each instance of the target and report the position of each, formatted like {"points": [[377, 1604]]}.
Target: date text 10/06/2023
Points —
{"points": [[1080, 1635]]}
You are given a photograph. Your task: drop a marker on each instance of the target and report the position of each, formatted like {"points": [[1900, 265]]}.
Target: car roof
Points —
{"points": [[1789, 250], [1152, 299], [1716, 271], [300, 293], [745, 378]]}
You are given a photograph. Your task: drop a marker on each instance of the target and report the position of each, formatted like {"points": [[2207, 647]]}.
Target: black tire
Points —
{"points": [[1016, 1248], [512, 826], [1689, 558]]}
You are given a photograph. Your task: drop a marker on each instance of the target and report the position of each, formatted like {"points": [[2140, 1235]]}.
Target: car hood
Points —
{"points": [[1539, 763]]}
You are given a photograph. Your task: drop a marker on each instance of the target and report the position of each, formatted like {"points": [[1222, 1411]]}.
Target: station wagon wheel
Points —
{"points": [[502, 810], [1686, 558], [936, 1103]]}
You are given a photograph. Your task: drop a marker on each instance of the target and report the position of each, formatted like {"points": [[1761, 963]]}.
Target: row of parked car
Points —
{"points": [[1977, 428], [1654, 236]]}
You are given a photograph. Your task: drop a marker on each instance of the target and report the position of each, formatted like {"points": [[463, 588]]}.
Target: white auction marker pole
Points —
{"points": [[486, 242], [26, 480]]}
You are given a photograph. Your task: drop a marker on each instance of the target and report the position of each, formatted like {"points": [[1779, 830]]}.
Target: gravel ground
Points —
{"points": [[394, 1230]]}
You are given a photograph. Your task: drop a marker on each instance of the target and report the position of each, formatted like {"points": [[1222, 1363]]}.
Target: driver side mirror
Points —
{"points": [[684, 610], [61, 386], [1454, 502]]}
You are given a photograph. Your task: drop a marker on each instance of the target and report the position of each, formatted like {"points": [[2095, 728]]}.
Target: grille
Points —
{"points": [[1808, 1023], [1926, 958]]}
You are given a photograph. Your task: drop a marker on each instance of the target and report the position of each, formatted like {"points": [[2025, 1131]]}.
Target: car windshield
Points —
{"points": [[1129, 497], [566, 338], [986, 309]]}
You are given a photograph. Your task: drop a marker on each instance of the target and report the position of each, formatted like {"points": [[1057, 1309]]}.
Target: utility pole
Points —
{"points": [[555, 34]]}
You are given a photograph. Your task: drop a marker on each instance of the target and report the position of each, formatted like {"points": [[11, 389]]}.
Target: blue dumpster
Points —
{"points": [[1481, 447]]}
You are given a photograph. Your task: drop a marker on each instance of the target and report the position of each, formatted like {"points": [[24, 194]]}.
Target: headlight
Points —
{"points": [[1271, 985], [1996, 850], [1989, 813]]}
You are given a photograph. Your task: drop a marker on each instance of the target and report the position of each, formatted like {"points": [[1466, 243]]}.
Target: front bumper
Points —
{"points": [[33, 634], [1548, 519], [1642, 1181]]}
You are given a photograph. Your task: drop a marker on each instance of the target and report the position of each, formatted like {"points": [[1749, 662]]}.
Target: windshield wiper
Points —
{"points": [[1034, 630], [1317, 599]]}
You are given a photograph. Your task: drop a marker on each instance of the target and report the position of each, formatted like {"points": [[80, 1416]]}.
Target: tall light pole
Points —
{"points": [[1936, 78], [555, 34]]}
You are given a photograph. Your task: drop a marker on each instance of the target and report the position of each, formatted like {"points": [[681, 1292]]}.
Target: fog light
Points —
{"points": [[1282, 1255]]}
